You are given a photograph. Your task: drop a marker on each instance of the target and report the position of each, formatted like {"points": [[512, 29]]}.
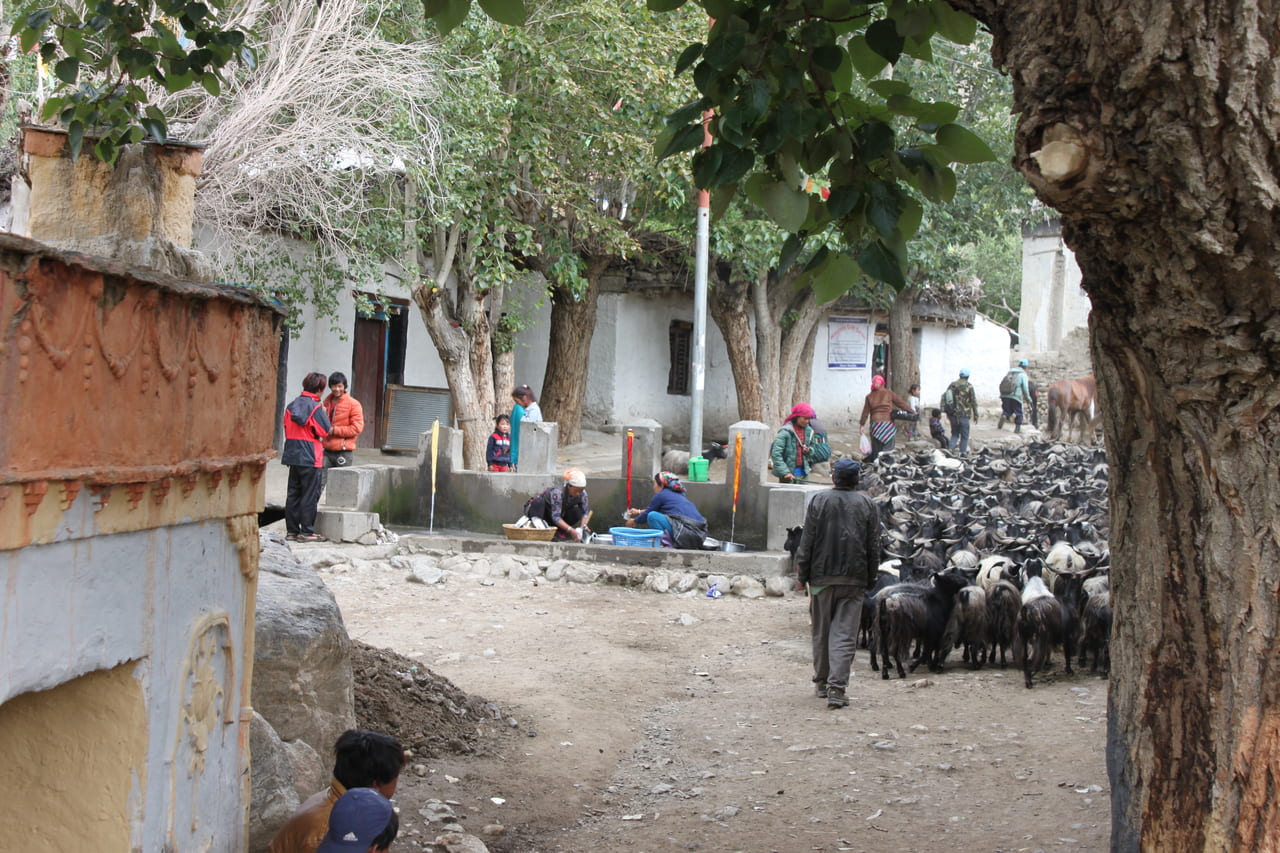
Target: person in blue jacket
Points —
{"points": [[670, 511]]}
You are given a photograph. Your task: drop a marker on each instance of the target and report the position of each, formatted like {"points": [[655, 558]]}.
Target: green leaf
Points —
{"points": [[881, 264], [954, 25], [449, 13], [688, 57], [754, 188], [721, 198], [737, 162], [665, 5], [67, 70], [106, 150], [39, 20], [28, 40], [842, 77], [828, 57], [842, 201], [509, 12], [210, 82], [685, 139], [874, 140], [705, 165], [962, 145], [75, 138], [883, 209], [867, 62], [786, 206], [155, 128], [888, 88], [688, 112], [910, 217], [835, 278], [883, 38], [790, 251], [724, 51], [72, 42]]}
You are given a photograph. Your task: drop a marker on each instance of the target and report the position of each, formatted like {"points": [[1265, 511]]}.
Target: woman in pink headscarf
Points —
{"points": [[879, 407], [797, 447]]}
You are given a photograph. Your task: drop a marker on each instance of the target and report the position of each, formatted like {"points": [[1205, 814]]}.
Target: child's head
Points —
{"points": [[914, 391], [365, 759], [935, 413], [502, 423]]}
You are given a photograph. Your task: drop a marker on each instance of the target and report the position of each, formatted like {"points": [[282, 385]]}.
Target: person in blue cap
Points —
{"points": [[837, 560], [961, 406], [362, 820]]}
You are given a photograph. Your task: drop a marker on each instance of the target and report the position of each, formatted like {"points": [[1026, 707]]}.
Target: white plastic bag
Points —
{"points": [[864, 444]]}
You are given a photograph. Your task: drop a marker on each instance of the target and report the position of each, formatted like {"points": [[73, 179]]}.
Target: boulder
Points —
{"points": [[302, 680], [284, 774], [778, 585], [555, 570], [578, 573], [747, 587]]}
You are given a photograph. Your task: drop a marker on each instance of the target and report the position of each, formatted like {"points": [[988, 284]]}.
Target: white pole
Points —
{"points": [[702, 251]]}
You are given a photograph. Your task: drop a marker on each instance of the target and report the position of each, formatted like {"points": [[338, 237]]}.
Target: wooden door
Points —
{"points": [[369, 379]]}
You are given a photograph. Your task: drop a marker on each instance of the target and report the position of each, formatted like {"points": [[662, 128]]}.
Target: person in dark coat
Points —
{"points": [[305, 426], [563, 507], [837, 560]]}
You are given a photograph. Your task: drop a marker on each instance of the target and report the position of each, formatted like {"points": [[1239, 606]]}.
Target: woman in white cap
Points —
{"points": [[563, 507]]}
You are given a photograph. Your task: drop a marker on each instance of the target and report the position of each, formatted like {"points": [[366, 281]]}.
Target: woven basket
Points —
{"points": [[529, 534]]}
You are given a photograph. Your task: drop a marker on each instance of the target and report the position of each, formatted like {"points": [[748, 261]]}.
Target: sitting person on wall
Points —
{"points": [[362, 759], [798, 446], [671, 511], [498, 453], [563, 507]]}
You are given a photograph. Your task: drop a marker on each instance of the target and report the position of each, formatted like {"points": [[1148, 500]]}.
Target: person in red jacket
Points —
{"points": [[305, 426], [346, 416]]}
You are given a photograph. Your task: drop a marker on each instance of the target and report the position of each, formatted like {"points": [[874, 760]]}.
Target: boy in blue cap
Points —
{"points": [[362, 820]]}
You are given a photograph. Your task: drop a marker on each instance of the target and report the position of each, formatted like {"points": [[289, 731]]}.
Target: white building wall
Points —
{"points": [[945, 351], [1053, 301]]}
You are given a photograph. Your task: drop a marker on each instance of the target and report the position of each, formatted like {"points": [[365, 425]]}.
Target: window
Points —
{"points": [[680, 337]]}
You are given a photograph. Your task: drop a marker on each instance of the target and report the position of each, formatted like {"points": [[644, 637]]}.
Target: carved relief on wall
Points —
{"points": [[206, 738], [131, 371]]}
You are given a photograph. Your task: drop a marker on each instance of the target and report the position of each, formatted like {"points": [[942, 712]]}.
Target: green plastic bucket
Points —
{"points": [[698, 466]]}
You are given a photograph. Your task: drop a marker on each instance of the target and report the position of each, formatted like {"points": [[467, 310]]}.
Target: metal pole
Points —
{"points": [[703, 249]]}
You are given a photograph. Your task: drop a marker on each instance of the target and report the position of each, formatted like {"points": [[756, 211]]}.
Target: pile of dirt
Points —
{"points": [[424, 711]]}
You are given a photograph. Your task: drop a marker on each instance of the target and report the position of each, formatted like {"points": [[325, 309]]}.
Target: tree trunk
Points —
{"points": [[504, 379], [903, 371], [460, 330], [804, 370], [1163, 117], [573, 322], [730, 309]]}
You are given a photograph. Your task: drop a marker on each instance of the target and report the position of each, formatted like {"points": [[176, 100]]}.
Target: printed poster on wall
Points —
{"points": [[847, 343]]}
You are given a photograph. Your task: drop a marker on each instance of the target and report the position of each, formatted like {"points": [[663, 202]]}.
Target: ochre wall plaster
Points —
{"points": [[65, 791]]}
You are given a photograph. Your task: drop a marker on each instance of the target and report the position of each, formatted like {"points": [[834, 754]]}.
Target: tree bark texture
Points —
{"points": [[903, 371], [573, 322], [729, 305], [1152, 127]]}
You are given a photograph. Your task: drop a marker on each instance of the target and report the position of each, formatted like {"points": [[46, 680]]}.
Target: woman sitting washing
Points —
{"points": [[672, 512]]}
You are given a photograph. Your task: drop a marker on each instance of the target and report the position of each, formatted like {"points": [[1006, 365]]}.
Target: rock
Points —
{"points": [[578, 573], [434, 811], [322, 558], [555, 570], [746, 587], [302, 681], [523, 572], [686, 581], [456, 563], [778, 585], [492, 830], [656, 581], [482, 567], [686, 619], [460, 842], [415, 563], [283, 776], [429, 576], [368, 538], [720, 582], [502, 565]]}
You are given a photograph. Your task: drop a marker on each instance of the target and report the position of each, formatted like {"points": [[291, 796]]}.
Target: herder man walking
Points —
{"points": [[838, 558]]}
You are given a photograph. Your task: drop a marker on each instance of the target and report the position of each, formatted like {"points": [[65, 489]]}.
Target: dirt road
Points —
{"points": [[654, 722]]}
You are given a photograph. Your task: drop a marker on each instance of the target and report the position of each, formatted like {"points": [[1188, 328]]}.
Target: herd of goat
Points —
{"points": [[1000, 554]]}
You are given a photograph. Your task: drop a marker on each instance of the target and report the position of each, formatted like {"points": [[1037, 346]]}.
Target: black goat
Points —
{"points": [[1043, 622], [677, 461], [968, 627], [866, 625], [1003, 602], [1097, 631], [792, 544], [903, 618]]}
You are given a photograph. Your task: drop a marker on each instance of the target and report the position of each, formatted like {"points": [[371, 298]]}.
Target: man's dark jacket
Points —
{"points": [[841, 540]]}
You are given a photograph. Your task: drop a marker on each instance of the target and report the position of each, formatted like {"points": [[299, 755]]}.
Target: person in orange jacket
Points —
{"points": [[347, 418]]}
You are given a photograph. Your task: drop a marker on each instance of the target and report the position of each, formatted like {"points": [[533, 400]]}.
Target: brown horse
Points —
{"points": [[1073, 401]]}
